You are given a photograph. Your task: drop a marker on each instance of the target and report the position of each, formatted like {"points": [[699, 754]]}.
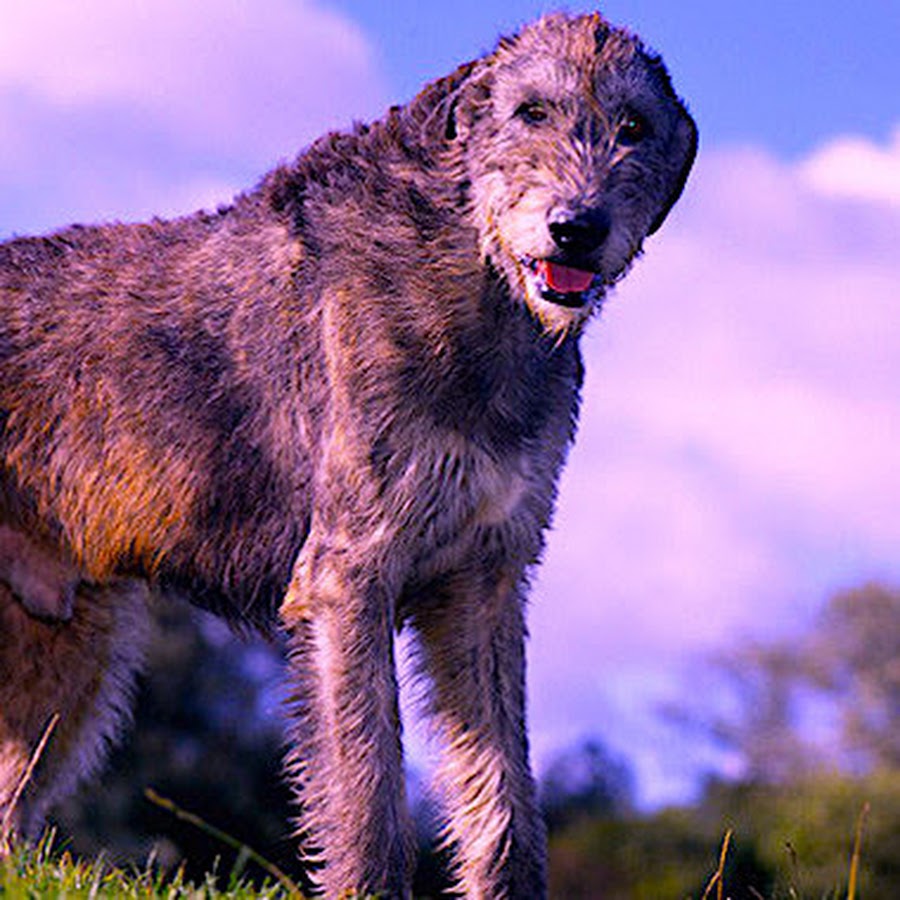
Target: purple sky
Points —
{"points": [[737, 455]]}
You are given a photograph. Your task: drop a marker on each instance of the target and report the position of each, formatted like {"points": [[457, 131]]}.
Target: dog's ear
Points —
{"points": [[450, 130], [433, 109], [684, 149], [446, 108]]}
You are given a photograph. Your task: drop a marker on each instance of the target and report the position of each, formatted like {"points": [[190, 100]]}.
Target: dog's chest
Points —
{"points": [[463, 504]]}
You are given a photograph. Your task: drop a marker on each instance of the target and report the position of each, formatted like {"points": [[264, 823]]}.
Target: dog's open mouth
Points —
{"points": [[560, 284]]}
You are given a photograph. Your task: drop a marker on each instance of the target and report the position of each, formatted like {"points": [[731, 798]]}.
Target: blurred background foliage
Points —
{"points": [[811, 725]]}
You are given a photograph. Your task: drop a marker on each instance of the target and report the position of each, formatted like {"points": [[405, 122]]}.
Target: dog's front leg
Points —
{"points": [[346, 758], [471, 635]]}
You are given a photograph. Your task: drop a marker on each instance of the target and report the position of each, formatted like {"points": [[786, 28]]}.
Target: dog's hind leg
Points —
{"points": [[81, 670], [346, 759], [471, 636]]}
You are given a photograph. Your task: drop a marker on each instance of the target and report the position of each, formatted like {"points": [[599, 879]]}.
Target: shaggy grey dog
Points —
{"points": [[337, 407]]}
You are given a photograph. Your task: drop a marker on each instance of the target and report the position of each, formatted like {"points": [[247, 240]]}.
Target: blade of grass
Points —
{"points": [[857, 851], [243, 849], [6, 825], [718, 879], [795, 886]]}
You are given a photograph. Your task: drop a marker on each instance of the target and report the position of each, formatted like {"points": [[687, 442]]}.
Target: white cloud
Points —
{"points": [[242, 72], [855, 168], [107, 106], [737, 458]]}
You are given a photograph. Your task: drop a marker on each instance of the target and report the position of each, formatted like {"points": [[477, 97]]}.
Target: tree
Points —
{"points": [[828, 699], [585, 781], [854, 656]]}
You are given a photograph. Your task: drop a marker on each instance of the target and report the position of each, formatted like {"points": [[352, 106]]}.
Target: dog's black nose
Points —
{"points": [[581, 234]]}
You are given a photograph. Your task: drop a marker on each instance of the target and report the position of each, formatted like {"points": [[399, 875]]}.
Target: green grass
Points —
{"points": [[41, 872], [47, 871]]}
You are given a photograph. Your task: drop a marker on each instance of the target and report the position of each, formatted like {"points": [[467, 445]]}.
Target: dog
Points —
{"points": [[337, 407]]}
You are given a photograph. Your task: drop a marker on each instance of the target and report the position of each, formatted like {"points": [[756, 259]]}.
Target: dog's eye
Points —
{"points": [[532, 112], [634, 128]]}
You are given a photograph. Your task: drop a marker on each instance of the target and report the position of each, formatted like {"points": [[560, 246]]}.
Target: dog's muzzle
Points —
{"points": [[565, 278], [580, 236]]}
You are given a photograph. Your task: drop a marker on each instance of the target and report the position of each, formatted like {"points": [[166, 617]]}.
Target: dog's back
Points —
{"points": [[143, 400]]}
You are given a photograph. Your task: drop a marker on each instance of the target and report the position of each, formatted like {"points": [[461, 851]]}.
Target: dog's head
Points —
{"points": [[576, 147]]}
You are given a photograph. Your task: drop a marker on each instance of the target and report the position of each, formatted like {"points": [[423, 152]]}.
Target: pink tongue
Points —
{"points": [[564, 280]]}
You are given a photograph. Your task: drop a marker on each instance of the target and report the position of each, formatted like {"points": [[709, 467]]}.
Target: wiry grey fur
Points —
{"points": [[339, 407]]}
